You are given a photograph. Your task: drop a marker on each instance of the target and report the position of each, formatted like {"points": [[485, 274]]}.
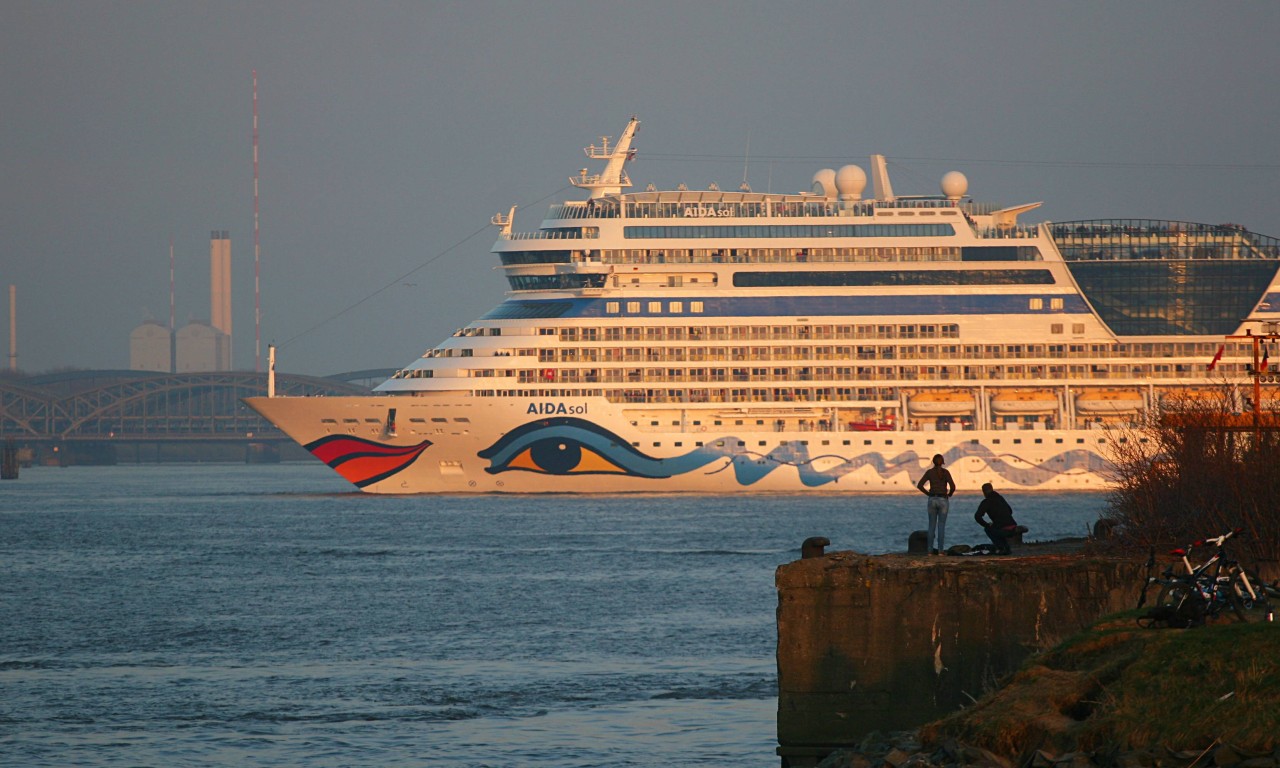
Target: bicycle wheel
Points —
{"points": [[1185, 603], [1251, 594]]}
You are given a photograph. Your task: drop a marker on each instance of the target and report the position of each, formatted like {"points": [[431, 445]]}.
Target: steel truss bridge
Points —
{"points": [[135, 406]]}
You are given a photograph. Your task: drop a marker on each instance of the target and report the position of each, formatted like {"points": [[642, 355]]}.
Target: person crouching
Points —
{"points": [[998, 523]]}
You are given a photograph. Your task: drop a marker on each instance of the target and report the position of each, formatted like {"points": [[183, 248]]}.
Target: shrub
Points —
{"points": [[1195, 469]]}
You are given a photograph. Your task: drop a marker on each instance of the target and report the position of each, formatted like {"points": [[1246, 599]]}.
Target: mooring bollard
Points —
{"points": [[813, 547], [918, 543]]}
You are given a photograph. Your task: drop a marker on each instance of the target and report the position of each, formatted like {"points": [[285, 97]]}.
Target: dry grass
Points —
{"points": [[1115, 686]]}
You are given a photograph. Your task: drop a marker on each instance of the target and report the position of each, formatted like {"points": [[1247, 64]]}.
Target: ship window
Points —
{"points": [[741, 444], [928, 442], [695, 307], [1055, 303], [418, 420], [866, 442], [1017, 441], [1055, 328], [698, 444], [328, 421], [1080, 440], [997, 442], [846, 442], [1035, 304], [611, 307], [439, 419], [633, 307], [655, 307], [351, 421], [1077, 328], [762, 443], [794, 279], [1038, 441], [679, 444], [675, 307], [911, 442]]}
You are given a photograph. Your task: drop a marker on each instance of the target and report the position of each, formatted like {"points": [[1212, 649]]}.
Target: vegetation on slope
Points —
{"points": [[1119, 687]]}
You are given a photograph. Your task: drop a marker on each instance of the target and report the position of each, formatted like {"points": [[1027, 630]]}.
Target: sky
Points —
{"points": [[390, 133]]}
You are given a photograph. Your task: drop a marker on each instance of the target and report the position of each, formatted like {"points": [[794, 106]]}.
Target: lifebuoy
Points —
{"points": [[548, 374]]}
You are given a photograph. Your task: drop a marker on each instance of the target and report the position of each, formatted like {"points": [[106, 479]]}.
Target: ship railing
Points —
{"points": [[586, 233], [1005, 233]]}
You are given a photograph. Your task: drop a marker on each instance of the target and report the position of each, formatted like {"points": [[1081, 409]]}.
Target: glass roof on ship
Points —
{"points": [[1148, 277]]}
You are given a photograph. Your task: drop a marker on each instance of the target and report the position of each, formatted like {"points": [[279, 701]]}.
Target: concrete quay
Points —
{"points": [[887, 643]]}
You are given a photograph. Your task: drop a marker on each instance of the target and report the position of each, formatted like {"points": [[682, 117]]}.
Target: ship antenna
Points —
{"points": [[614, 177], [746, 161]]}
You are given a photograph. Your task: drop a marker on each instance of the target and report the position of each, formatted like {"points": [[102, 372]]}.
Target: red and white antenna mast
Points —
{"points": [[173, 325], [257, 293]]}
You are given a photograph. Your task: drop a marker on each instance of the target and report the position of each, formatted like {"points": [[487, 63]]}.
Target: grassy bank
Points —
{"points": [[1117, 686]]}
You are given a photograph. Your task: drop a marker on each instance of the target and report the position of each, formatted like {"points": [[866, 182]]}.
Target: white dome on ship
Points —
{"points": [[954, 185], [824, 183], [850, 181]]}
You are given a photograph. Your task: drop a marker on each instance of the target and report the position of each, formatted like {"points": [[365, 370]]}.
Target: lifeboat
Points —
{"points": [[1024, 402], [942, 403], [1195, 399], [1109, 401]]}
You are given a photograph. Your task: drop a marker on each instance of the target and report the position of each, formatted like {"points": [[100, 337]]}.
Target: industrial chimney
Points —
{"points": [[220, 293]]}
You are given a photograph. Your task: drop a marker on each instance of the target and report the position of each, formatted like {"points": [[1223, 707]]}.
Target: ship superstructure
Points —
{"points": [[718, 341]]}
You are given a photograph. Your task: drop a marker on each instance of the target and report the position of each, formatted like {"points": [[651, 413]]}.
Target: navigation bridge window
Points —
{"points": [[555, 282]]}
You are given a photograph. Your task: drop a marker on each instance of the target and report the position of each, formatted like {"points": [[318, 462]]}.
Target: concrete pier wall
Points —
{"points": [[891, 642]]}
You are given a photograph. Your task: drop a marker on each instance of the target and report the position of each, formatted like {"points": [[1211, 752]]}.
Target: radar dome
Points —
{"points": [[824, 183], [850, 181], [954, 185]]}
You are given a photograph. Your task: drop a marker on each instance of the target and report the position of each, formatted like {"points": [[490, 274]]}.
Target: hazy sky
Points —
{"points": [[391, 132]]}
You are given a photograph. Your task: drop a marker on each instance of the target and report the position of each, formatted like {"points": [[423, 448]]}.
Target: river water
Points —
{"points": [[213, 615]]}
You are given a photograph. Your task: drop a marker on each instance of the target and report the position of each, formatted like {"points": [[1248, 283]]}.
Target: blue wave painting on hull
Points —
{"points": [[570, 446]]}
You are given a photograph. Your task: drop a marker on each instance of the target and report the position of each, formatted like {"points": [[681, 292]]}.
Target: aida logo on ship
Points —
{"points": [[556, 409]]}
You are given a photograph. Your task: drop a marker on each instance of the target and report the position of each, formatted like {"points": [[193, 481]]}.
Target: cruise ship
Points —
{"points": [[830, 340]]}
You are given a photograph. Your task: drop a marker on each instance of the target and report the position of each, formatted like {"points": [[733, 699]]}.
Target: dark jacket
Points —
{"points": [[997, 509]]}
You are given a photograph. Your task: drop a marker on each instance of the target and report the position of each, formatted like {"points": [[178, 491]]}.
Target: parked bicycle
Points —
{"points": [[1205, 591]]}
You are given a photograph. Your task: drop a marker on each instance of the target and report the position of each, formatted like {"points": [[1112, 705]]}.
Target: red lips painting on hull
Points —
{"points": [[364, 462]]}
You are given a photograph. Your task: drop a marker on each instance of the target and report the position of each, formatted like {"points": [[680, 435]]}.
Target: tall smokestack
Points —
{"points": [[220, 288], [13, 328]]}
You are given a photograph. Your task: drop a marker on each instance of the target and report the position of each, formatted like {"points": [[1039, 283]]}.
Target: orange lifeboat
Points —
{"points": [[1102, 402], [1024, 402], [942, 403], [1196, 400]]}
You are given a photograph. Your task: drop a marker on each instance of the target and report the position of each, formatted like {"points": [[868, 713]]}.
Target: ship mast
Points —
{"points": [[614, 177]]}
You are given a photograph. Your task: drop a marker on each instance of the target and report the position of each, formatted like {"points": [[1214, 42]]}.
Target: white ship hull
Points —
{"points": [[588, 446]]}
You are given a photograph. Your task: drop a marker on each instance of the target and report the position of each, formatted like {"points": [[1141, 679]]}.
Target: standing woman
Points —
{"points": [[941, 488]]}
